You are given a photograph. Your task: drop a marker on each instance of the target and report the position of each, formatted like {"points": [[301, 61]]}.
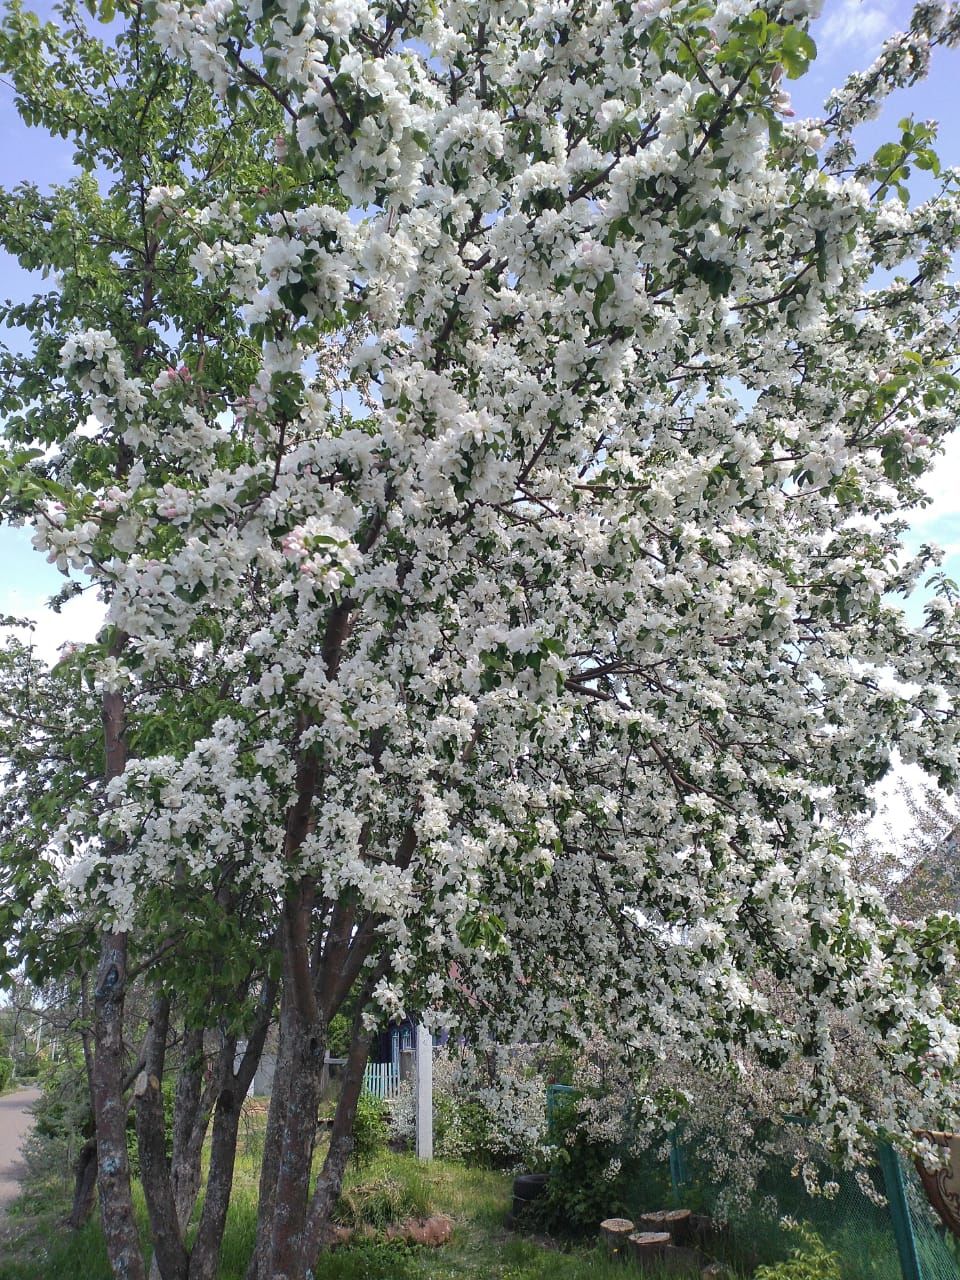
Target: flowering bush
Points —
{"points": [[598, 1171], [488, 1107]]}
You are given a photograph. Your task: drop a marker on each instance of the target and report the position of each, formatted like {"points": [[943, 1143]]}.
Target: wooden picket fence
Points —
{"points": [[382, 1079]]}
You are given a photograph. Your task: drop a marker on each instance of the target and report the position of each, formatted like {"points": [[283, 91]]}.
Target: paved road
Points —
{"points": [[15, 1122]]}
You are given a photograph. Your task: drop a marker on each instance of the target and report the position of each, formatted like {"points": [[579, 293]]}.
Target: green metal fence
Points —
{"points": [[899, 1239]]}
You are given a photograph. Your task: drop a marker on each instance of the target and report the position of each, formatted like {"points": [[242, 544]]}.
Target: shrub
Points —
{"points": [[595, 1177], [810, 1259], [64, 1119], [580, 1192], [370, 1128], [486, 1127], [62, 1111], [27, 1064], [6, 1063], [62, 1123], [339, 1033]]}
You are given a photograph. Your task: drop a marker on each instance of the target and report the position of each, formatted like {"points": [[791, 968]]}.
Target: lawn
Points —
{"points": [[390, 1188], [477, 1200]]}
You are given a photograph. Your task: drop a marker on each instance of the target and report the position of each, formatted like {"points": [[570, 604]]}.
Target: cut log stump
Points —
{"points": [[708, 1235], [676, 1221], [614, 1233], [647, 1247], [685, 1264]]}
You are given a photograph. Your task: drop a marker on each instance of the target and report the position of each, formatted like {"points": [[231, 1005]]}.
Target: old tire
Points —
{"points": [[527, 1187]]}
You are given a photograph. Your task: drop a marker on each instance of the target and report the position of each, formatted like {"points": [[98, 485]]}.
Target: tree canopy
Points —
{"points": [[491, 428]]}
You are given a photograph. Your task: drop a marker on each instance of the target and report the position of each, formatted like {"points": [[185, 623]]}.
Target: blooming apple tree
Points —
{"points": [[181, 996], [551, 553]]}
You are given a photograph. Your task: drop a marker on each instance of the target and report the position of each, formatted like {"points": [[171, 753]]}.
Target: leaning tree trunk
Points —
{"points": [[329, 1184], [85, 1166], [84, 1184], [110, 1113], [270, 1163], [192, 1107]]}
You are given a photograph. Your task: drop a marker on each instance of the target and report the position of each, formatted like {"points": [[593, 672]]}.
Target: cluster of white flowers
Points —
{"points": [[323, 553], [94, 358], [68, 544]]}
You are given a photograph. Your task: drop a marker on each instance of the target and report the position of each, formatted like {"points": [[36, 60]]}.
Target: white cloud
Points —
{"points": [[893, 819], [77, 622], [854, 21], [942, 483]]}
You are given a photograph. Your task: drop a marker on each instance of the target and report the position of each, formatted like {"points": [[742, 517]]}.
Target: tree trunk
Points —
{"points": [[329, 1184], [169, 1250], [270, 1164], [223, 1146], [107, 1075], [192, 1108], [306, 1055], [85, 1167], [84, 1184], [110, 1112]]}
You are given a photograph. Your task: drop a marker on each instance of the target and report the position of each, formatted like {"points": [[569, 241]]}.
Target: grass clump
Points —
{"points": [[371, 1131], [378, 1202], [46, 1255]]}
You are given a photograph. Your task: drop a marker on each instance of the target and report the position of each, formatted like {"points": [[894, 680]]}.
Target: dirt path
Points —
{"points": [[15, 1122]]}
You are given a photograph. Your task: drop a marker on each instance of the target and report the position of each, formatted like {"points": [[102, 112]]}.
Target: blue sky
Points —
{"points": [[848, 34]]}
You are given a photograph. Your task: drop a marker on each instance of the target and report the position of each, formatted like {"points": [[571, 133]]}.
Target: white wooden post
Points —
{"points": [[424, 1093]]}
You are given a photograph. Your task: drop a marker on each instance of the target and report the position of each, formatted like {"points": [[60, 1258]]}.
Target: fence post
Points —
{"points": [[423, 1127], [553, 1091], [900, 1213], [678, 1165]]}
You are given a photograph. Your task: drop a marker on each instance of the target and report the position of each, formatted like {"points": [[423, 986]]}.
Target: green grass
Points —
{"points": [[40, 1248], [34, 1245]]}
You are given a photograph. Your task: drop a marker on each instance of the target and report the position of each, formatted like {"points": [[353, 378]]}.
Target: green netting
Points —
{"points": [[938, 1251], [863, 1233], [899, 1238], [848, 1221], [881, 1225]]}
